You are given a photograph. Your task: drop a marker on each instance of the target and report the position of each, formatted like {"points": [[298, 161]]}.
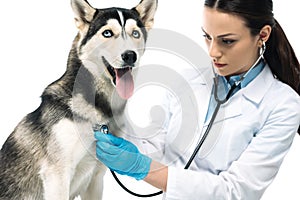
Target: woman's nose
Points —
{"points": [[214, 50]]}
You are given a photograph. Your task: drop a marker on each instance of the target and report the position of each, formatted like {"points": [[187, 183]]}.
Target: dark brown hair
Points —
{"points": [[279, 53]]}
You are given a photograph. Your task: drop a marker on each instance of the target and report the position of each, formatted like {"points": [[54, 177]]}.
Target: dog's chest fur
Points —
{"points": [[77, 147]]}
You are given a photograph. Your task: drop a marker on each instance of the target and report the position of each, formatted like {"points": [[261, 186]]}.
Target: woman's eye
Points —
{"points": [[228, 41], [107, 33], [136, 34]]}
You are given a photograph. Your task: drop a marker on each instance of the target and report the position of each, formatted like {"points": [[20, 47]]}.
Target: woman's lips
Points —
{"points": [[219, 65]]}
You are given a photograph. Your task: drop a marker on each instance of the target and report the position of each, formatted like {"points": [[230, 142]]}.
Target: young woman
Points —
{"points": [[262, 113]]}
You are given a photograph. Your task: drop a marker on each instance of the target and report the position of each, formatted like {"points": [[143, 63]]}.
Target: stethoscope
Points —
{"points": [[104, 128], [222, 101]]}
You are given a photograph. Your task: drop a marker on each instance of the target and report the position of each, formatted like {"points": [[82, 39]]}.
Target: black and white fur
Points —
{"points": [[51, 153]]}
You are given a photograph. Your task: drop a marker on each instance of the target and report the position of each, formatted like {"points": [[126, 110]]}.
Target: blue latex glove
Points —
{"points": [[121, 156]]}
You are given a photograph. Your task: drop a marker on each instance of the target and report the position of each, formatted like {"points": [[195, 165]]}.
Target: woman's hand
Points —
{"points": [[121, 156]]}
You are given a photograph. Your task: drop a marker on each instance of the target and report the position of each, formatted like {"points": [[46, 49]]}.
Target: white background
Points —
{"points": [[35, 38]]}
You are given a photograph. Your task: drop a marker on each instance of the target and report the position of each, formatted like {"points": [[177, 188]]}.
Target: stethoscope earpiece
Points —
{"points": [[263, 47]]}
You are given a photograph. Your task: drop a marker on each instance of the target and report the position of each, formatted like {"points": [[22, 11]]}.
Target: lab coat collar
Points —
{"points": [[254, 92], [203, 76], [257, 88]]}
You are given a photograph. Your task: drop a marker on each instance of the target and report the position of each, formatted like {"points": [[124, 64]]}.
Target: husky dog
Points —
{"points": [[50, 154]]}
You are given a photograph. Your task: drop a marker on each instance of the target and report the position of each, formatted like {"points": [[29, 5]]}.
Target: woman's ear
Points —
{"points": [[265, 33]]}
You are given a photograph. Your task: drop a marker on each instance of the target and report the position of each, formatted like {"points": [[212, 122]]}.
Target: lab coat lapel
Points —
{"points": [[254, 92], [204, 96], [231, 109]]}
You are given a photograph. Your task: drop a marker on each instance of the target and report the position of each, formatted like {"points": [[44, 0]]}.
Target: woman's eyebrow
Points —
{"points": [[220, 36], [226, 35]]}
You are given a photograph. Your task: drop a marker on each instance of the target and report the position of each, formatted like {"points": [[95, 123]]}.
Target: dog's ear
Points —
{"points": [[146, 10], [83, 11]]}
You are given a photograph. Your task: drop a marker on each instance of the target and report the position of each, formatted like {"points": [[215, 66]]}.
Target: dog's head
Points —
{"points": [[112, 40]]}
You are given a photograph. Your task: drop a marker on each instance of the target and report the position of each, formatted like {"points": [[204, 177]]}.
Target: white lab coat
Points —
{"points": [[245, 148]]}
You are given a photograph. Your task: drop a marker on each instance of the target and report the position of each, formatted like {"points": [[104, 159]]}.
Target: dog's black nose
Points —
{"points": [[129, 57]]}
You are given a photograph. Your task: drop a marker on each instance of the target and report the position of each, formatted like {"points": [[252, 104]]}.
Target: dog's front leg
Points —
{"points": [[56, 183], [95, 188]]}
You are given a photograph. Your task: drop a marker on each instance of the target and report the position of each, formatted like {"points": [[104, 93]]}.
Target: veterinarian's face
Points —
{"points": [[230, 45]]}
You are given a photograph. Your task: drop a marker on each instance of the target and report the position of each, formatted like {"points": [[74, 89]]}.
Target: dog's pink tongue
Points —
{"points": [[124, 83]]}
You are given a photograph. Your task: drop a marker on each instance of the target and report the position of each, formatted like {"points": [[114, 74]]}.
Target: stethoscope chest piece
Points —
{"points": [[103, 128]]}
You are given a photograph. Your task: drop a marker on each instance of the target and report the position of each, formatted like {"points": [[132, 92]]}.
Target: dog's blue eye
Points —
{"points": [[136, 34], [107, 33]]}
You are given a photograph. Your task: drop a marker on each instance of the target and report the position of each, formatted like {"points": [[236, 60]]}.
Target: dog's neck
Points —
{"points": [[89, 98]]}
